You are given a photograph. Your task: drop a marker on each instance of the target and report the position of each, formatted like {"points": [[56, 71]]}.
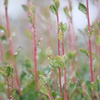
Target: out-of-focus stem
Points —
{"points": [[83, 89], [1, 52], [50, 95], [34, 48], [8, 89], [12, 52], [65, 78], [34, 57], [71, 37], [90, 47], [59, 70]]}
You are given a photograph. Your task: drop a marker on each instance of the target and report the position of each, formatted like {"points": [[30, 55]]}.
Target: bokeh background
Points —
{"points": [[46, 29]]}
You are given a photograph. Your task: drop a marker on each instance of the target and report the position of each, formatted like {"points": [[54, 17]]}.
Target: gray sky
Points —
{"points": [[79, 19]]}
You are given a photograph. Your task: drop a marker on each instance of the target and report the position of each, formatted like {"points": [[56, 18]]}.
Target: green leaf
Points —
{"points": [[2, 73], [97, 40], [46, 80], [6, 71], [53, 9], [68, 83], [98, 23], [84, 52], [57, 3], [91, 32], [82, 8], [7, 55], [18, 51], [98, 78], [5, 2], [13, 92], [70, 54], [58, 61], [25, 7], [32, 9], [91, 85], [72, 87], [2, 28], [3, 38], [31, 19], [62, 27], [66, 11], [60, 36], [28, 34], [42, 87], [28, 63]]}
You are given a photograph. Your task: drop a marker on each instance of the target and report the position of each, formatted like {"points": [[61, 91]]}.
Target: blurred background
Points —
{"points": [[46, 29]]}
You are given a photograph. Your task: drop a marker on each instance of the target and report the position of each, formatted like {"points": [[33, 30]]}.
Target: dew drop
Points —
{"points": [[41, 38], [2, 31]]}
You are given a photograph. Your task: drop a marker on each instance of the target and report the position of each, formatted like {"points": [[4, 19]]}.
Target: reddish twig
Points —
{"points": [[12, 52], [8, 88], [1, 52], [71, 37], [34, 48], [65, 78], [59, 70], [90, 47]]}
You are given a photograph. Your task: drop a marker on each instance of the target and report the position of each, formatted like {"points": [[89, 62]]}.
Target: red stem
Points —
{"points": [[59, 70], [71, 37], [90, 48], [8, 88], [34, 48], [50, 95], [34, 57], [12, 52], [65, 79], [1, 52]]}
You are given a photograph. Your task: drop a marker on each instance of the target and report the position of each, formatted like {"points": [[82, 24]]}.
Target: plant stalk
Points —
{"points": [[12, 52], [8, 89], [71, 38], [34, 57], [34, 47], [90, 47], [1, 52], [59, 70], [65, 78]]}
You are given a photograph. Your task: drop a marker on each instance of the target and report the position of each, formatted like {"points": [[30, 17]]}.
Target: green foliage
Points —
{"points": [[25, 8], [62, 28], [91, 32], [44, 84], [7, 55], [82, 8], [98, 23], [28, 34], [54, 8], [84, 52], [58, 61], [66, 11], [6, 71], [3, 38], [57, 4], [48, 83], [70, 54], [5, 2], [17, 52], [97, 40], [3, 29]]}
